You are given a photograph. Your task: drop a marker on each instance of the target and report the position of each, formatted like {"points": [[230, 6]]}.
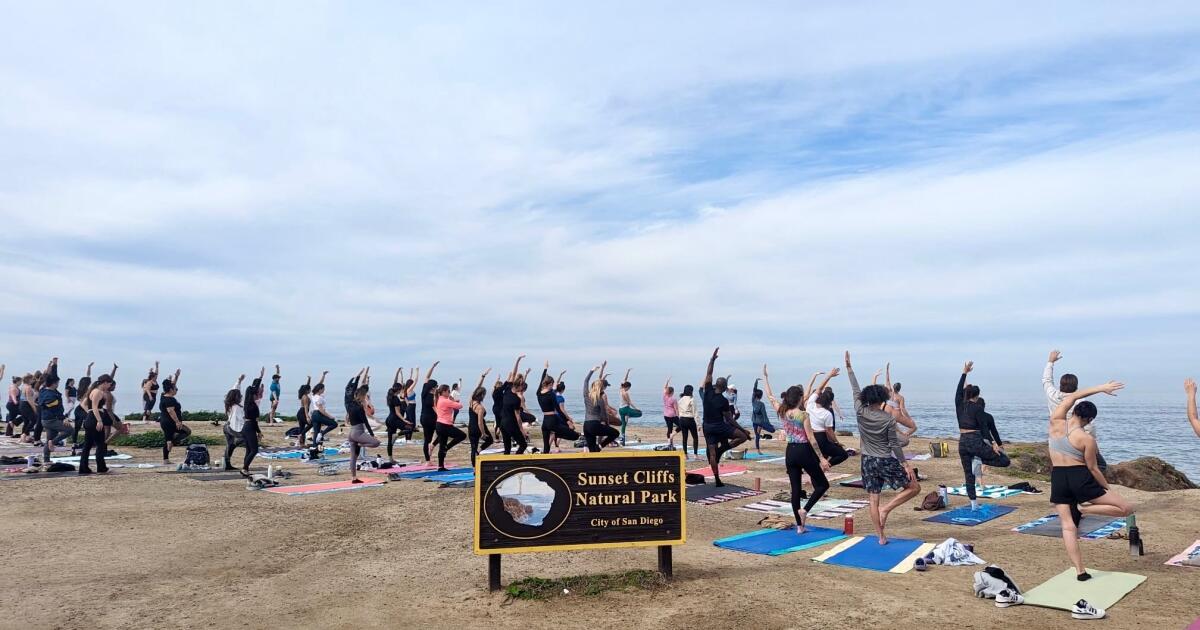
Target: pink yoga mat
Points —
{"points": [[726, 469], [334, 486], [1177, 561]]}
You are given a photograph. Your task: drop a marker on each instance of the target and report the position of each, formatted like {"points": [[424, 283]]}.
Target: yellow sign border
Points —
{"points": [[541, 457]]}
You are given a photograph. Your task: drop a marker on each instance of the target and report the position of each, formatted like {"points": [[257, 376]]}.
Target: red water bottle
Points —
{"points": [[848, 525]]}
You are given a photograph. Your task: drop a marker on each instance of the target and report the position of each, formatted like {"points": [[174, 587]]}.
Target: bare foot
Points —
{"points": [[800, 529], [882, 538]]}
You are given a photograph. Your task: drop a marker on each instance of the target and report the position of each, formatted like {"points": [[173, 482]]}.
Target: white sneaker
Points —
{"points": [[1084, 610], [1007, 598]]}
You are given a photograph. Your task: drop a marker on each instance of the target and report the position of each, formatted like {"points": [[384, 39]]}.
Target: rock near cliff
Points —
{"points": [[1148, 473]]}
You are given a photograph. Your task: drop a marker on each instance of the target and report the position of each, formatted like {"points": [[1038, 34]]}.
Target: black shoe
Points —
{"points": [[85, 471], [356, 481]]}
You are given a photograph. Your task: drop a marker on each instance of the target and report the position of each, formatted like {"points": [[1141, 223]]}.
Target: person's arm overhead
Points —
{"points": [[708, 373], [853, 381], [560, 376], [962, 382], [178, 371], [512, 376], [481, 378], [89, 369], [324, 373], [429, 374], [1190, 387], [113, 374], [824, 383], [545, 373], [1048, 385], [767, 390], [887, 375], [1064, 408]]}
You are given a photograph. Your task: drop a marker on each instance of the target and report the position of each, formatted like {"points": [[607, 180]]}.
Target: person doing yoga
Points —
{"points": [[597, 432], [555, 421], [720, 433], [275, 393], [510, 415], [800, 456], [52, 412], [687, 422], [94, 435], [822, 420], [170, 417], [397, 419], [361, 436], [1075, 478], [1067, 384], [304, 395], [235, 420], [251, 433], [758, 417], [973, 425], [321, 420], [1189, 387], [670, 407], [428, 413], [883, 462], [628, 409], [149, 392], [448, 435], [478, 432]]}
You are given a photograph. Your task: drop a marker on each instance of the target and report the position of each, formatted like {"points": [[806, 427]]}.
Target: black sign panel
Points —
{"points": [[579, 501]]}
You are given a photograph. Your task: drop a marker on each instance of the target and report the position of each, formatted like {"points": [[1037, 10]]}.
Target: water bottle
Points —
{"points": [[1135, 538], [944, 494], [30, 460], [848, 525]]}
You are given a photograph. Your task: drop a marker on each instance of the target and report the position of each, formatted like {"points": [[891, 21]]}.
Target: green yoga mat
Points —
{"points": [[1102, 591]]}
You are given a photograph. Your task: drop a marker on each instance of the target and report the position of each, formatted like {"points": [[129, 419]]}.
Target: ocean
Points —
{"points": [[1129, 426]]}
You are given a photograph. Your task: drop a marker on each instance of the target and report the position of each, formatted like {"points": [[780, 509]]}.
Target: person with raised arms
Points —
{"points": [[628, 409], [974, 424], [397, 419], [361, 436], [477, 431], [720, 434], [303, 395], [428, 413], [758, 417], [559, 396], [687, 421], [275, 393], [1189, 386], [883, 462], [235, 419], [509, 414], [1076, 479], [149, 392], [94, 435], [597, 431], [556, 422], [824, 424], [1067, 384], [801, 456], [51, 410], [448, 435], [170, 417], [670, 406], [251, 433], [321, 421]]}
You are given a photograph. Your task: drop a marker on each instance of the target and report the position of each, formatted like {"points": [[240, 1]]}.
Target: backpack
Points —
{"points": [[990, 581], [197, 455], [931, 502]]}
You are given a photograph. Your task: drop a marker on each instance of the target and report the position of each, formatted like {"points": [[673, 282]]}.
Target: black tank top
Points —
{"points": [[355, 414], [474, 419], [548, 401], [394, 401], [169, 402]]}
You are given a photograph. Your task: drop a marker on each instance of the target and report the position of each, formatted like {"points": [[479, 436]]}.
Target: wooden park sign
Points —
{"points": [[571, 501]]}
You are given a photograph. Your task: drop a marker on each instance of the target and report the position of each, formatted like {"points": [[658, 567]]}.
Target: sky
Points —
{"points": [[224, 185]]}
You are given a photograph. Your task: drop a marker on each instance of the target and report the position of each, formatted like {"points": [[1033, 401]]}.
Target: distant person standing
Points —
{"points": [[276, 393], [758, 417], [1067, 384], [1189, 386], [456, 396], [628, 409], [687, 421], [670, 412], [149, 393], [720, 434]]}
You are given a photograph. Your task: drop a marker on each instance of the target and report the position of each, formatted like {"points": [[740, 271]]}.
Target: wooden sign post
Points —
{"points": [[573, 501]]}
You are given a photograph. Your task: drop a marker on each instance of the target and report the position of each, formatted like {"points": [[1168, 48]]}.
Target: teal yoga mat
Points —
{"points": [[970, 518], [777, 542]]}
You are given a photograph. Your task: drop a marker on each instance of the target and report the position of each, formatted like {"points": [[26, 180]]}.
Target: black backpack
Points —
{"points": [[197, 455]]}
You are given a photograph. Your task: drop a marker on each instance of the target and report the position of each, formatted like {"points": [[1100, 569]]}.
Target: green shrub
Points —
{"points": [[200, 416], [587, 585], [155, 439]]}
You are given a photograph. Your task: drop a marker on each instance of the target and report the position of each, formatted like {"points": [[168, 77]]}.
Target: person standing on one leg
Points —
{"points": [[883, 462], [478, 432], [720, 435], [1189, 386], [801, 456], [361, 436], [1067, 384], [628, 409], [973, 422], [448, 435], [597, 432], [428, 413], [235, 420], [251, 433], [170, 417], [758, 417]]}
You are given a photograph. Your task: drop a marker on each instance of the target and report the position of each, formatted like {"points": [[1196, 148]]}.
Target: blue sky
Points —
{"points": [[327, 185]]}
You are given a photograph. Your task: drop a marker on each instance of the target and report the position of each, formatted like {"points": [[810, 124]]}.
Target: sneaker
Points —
{"points": [[1008, 598], [1084, 610]]}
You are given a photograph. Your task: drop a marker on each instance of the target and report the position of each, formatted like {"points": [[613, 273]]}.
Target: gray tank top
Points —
{"points": [[1063, 446]]}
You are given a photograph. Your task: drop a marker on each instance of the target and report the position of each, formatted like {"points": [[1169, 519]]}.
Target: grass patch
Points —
{"points": [[155, 439], [203, 416], [586, 585]]}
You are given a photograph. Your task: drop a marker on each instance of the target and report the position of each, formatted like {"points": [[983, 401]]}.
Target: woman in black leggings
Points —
{"points": [[428, 413], [973, 423], [477, 431], [397, 418], [821, 419], [319, 417], [251, 434], [555, 421], [801, 457], [170, 417], [235, 419], [597, 414], [687, 420], [303, 421], [94, 427]]}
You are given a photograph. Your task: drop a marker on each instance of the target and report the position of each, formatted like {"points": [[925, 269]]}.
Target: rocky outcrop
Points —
{"points": [[1148, 473], [517, 510]]}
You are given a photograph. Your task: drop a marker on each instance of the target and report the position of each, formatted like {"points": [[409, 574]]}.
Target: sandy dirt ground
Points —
{"points": [[147, 549]]}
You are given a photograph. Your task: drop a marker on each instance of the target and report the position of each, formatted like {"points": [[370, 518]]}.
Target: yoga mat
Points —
{"points": [[644, 447], [970, 518], [725, 470], [706, 491], [209, 471], [777, 542], [297, 453], [74, 459], [853, 483], [771, 506], [320, 462], [837, 511], [1090, 528], [225, 476], [986, 492], [1102, 591], [422, 474], [317, 488], [42, 475], [458, 484], [467, 476], [866, 553], [1190, 552]]}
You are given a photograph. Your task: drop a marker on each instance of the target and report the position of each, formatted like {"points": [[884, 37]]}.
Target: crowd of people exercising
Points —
{"points": [[47, 415]]}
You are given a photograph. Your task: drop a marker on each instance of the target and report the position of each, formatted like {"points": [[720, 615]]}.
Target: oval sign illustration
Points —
{"points": [[527, 503]]}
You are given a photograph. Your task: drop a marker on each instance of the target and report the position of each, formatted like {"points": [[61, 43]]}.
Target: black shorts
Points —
{"points": [[1073, 485], [717, 432]]}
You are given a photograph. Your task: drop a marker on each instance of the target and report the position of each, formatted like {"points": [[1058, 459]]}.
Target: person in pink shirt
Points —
{"points": [[448, 435], [670, 412]]}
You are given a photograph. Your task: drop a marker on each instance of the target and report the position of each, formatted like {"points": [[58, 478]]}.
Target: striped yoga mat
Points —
{"points": [[863, 552], [824, 509], [986, 492]]}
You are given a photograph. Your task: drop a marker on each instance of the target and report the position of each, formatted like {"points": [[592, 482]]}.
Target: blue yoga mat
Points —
{"points": [[467, 476], [869, 554], [970, 518], [434, 474], [776, 542], [293, 454]]}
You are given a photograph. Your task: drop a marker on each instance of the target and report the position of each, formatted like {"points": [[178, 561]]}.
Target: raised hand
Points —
{"points": [[1055, 355], [715, 351], [834, 372], [1112, 387], [968, 366], [847, 358], [1189, 386]]}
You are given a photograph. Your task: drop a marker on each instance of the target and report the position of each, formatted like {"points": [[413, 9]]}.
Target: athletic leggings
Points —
{"points": [[626, 413], [758, 429], [360, 438], [480, 440], [28, 419], [552, 426], [233, 439], [801, 458], [412, 416], [599, 435], [688, 426], [321, 426], [832, 450], [250, 437], [172, 435], [395, 424], [448, 437], [972, 445], [55, 429], [512, 433], [429, 429], [93, 436], [302, 422]]}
